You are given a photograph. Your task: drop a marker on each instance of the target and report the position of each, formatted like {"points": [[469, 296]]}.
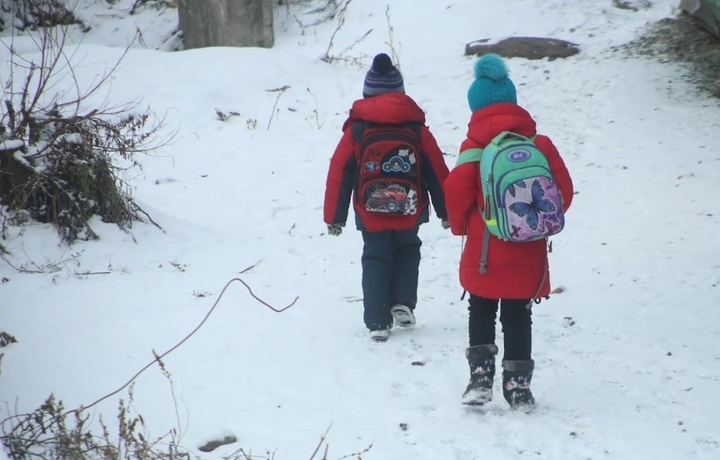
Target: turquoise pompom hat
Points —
{"points": [[492, 84]]}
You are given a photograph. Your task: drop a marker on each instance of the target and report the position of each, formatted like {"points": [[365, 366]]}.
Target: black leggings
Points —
{"points": [[515, 317]]}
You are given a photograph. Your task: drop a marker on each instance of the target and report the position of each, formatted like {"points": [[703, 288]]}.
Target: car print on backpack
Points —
{"points": [[392, 199]]}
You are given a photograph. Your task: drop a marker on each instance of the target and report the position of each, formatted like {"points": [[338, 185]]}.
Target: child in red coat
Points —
{"points": [[389, 163], [517, 273]]}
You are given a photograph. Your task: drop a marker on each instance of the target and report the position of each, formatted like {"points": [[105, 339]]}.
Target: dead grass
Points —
{"points": [[683, 40]]}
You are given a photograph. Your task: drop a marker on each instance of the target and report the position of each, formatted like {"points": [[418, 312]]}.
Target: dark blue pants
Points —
{"points": [[390, 263], [516, 320]]}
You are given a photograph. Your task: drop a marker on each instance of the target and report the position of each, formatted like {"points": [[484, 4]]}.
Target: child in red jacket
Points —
{"points": [[387, 161], [517, 273]]}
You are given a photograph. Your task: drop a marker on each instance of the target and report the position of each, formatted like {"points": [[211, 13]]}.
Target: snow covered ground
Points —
{"points": [[627, 356]]}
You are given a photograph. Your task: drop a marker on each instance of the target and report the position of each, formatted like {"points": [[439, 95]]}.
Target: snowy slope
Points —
{"points": [[628, 363]]}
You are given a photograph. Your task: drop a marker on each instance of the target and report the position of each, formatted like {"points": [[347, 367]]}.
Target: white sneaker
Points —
{"points": [[380, 335], [403, 315]]}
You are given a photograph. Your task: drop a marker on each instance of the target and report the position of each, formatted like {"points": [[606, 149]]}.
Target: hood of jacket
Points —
{"points": [[387, 108], [492, 120]]}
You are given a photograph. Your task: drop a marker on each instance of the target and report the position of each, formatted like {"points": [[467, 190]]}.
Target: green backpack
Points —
{"points": [[521, 199]]}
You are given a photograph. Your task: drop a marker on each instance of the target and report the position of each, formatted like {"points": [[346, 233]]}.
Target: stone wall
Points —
{"points": [[707, 12], [238, 23]]}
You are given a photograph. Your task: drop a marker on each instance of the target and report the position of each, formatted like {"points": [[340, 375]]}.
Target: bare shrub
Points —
{"points": [[156, 4], [6, 339], [60, 161], [33, 14], [328, 57], [51, 432]]}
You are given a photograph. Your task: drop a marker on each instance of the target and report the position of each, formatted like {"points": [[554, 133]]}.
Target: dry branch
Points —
{"points": [[158, 358]]}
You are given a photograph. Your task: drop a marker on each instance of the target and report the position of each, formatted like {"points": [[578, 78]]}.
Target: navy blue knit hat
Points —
{"points": [[383, 77], [491, 85]]}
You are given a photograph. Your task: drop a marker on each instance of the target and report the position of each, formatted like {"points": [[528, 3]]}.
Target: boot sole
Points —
{"points": [[402, 318], [477, 397], [377, 336]]}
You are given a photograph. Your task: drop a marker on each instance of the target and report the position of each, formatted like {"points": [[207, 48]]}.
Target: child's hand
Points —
{"points": [[335, 229]]}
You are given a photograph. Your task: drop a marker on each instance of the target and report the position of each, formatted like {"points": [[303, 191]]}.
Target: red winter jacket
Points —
{"points": [[514, 270], [342, 178]]}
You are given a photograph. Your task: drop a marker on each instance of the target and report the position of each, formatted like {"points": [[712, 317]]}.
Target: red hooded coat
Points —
{"points": [[388, 108], [514, 270]]}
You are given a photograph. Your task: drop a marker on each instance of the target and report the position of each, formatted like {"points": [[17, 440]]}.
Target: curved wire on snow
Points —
{"points": [[158, 358]]}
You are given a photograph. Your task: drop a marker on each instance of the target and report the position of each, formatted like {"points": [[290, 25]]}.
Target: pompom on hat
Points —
{"points": [[383, 77], [492, 84]]}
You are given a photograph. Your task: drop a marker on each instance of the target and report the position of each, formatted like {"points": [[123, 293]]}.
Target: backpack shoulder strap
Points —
{"points": [[484, 250], [357, 129], [473, 155], [469, 156], [415, 126]]}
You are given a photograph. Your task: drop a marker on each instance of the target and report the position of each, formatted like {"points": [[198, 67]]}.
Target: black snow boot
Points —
{"points": [[517, 376], [481, 359]]}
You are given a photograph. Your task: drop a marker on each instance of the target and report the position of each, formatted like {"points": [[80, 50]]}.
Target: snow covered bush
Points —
{"points": [[31, 14], [58, 153]]}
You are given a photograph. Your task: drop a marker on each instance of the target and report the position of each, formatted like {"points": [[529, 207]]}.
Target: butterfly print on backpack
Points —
{"points": [[538, 204]]}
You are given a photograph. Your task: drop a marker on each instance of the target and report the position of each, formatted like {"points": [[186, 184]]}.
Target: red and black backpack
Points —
{"points": [[389, 162]]}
